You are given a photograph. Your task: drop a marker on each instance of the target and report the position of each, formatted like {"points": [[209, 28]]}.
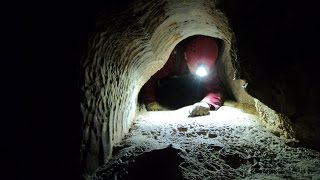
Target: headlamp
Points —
{"points": [[201, 71]]}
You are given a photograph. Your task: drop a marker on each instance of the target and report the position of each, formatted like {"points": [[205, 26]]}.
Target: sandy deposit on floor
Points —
{"points": [[227, 144]]}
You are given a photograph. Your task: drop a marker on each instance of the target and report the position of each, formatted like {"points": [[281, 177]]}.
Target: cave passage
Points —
{"points": [[129, 47]]}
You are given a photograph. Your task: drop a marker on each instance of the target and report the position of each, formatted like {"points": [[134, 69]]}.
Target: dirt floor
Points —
{"points": [[227, 144]]}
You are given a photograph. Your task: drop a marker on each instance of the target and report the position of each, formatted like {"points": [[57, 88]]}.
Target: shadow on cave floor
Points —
{"points": [[227, 144], [157, 164]]}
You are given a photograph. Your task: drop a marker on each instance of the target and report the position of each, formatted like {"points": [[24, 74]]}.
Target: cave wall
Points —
{"points": [[277, 56], [126, 50]]}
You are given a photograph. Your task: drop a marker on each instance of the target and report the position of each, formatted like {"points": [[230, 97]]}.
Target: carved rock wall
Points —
{"points": [[277, 53]]}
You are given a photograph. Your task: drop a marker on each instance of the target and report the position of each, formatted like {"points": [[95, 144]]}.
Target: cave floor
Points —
{"points": [[227, 144]]}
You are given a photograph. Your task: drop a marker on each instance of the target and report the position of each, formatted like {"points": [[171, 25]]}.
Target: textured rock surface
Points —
{"points": [[278, 61], [276, 58]]}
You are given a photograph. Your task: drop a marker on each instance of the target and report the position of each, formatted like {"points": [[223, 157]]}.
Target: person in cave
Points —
{"points": [[188, 77]]}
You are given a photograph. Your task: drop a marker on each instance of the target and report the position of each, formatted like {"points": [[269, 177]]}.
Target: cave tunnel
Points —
{"points": [[143, 57], [131, 46], [106, 51]]}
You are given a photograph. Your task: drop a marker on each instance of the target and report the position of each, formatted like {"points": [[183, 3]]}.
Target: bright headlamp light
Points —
{"points": [[201, 71]]}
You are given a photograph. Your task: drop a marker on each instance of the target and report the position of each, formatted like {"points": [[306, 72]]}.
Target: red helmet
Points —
{"points": [[201, 51]]}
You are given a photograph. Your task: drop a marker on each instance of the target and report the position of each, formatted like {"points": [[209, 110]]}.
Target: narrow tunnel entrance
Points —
{"points": [[177, 84]]}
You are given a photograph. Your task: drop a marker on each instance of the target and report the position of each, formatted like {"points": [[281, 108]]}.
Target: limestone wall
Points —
{"points": [[126, 50]]}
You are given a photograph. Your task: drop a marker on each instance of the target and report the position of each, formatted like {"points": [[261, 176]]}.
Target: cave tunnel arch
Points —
{"points": [[118, 63], [179, 91]]}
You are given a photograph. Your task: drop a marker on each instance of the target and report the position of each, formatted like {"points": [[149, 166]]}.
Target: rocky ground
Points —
{"points": [[227, 144]]}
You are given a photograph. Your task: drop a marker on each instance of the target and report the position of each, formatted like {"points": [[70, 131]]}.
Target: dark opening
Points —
{"points": [[176, 93]]}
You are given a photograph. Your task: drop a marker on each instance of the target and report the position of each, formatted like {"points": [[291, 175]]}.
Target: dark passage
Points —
{"points": [[174, 93]]}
